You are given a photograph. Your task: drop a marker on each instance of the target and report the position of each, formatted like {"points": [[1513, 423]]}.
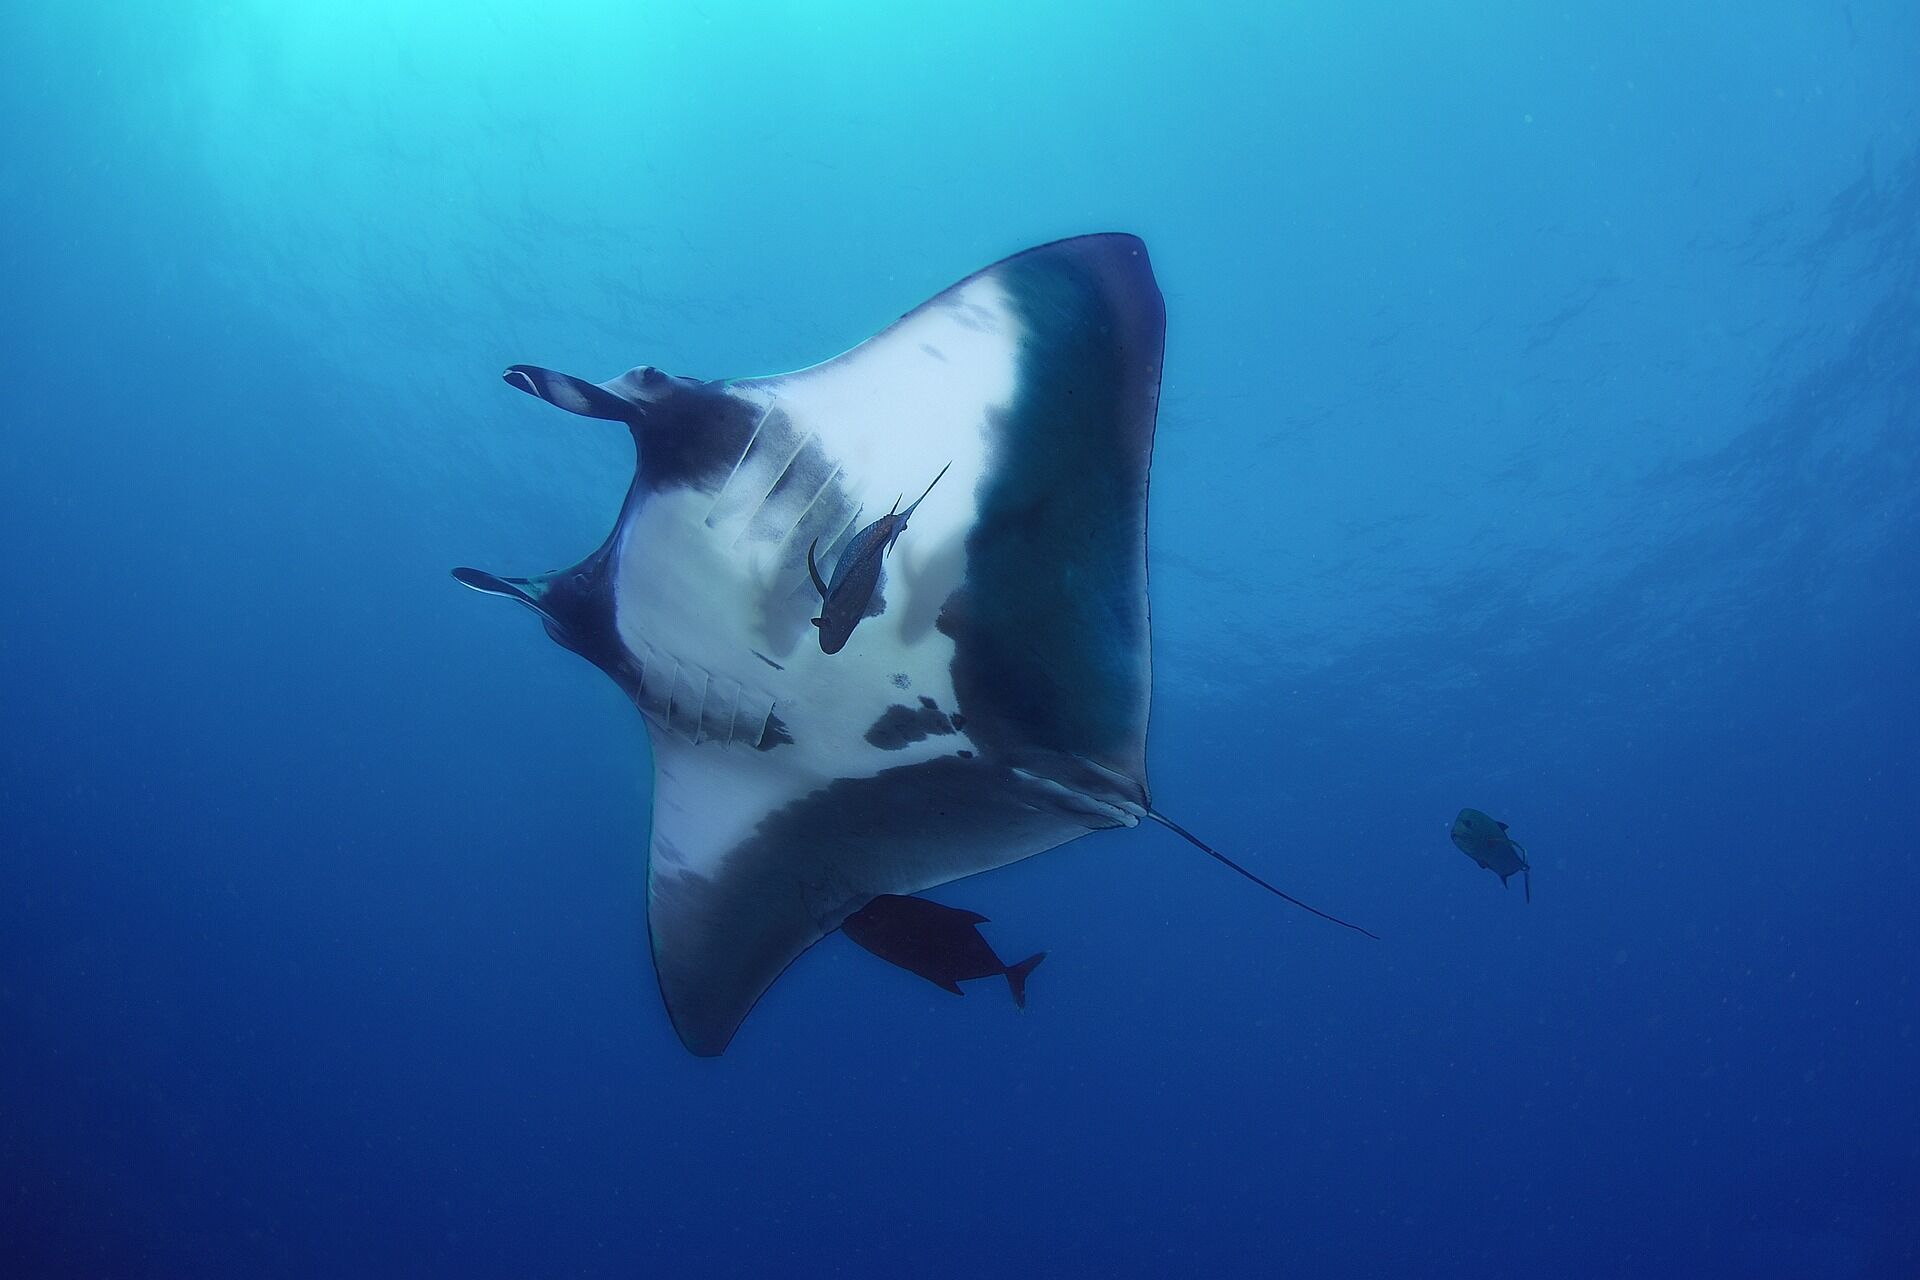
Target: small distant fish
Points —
{"points": [[1486, 841], [941, 944], [845, 599]]}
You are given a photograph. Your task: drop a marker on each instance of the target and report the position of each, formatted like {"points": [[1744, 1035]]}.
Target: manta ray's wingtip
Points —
{"points": [[1116, 238], [1119, 243], [701, 1044]]}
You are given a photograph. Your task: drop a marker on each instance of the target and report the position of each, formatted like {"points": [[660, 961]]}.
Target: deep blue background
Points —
{"points": [[1541, 433]]}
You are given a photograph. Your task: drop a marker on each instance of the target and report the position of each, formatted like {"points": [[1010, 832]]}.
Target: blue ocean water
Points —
{"points": [[1540, 433]]}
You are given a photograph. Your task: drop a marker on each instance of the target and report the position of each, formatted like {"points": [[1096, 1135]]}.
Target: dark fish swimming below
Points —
{"points": [[1486, 841], [942, 944], [846, 597]]}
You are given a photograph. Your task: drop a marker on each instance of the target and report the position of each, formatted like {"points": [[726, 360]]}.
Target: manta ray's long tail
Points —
{"points": [[1204, 847]]}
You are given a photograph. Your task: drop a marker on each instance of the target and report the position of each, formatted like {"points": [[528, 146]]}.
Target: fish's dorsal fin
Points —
{"points": [[1501, 825], [813, 571], [908, 513]]}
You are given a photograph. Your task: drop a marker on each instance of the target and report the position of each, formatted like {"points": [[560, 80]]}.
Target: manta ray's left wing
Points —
{"points": [[997, 705]]}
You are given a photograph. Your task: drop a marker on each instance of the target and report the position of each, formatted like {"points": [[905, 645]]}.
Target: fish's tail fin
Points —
{"points": [[1017, 976], [1214, 853]]}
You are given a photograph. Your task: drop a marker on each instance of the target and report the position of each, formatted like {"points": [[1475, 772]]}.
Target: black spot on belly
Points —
{"points": [[900, 680], [776, 734], [900, 726]]}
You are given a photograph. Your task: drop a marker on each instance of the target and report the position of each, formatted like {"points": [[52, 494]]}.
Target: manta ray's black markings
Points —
{"points": [[901, 726], [784, 802], [773, 733]]}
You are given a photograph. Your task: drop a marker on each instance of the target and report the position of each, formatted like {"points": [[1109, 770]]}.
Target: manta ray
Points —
{"points": [[990, 703]]}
